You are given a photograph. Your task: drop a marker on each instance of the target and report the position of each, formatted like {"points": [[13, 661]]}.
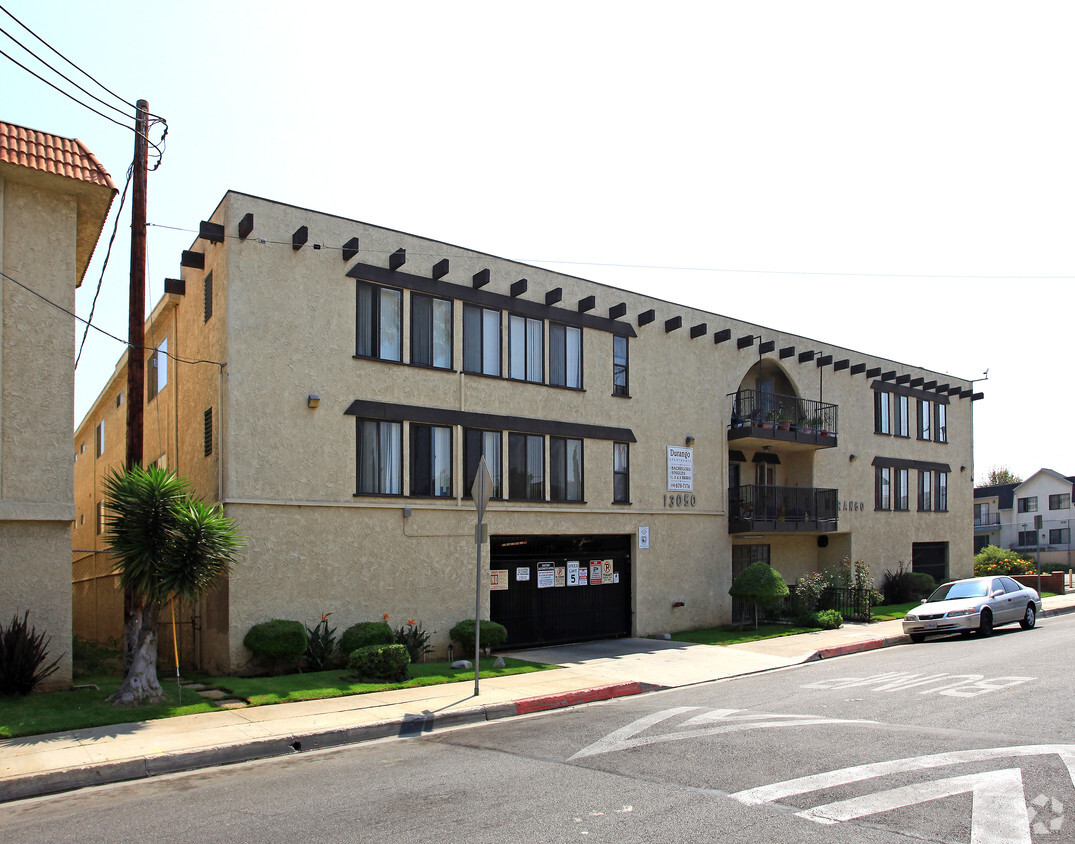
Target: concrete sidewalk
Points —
{"points": [[35, 765]]}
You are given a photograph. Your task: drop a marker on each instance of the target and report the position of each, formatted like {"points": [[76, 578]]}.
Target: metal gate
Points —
{"points": [[561, 588]]}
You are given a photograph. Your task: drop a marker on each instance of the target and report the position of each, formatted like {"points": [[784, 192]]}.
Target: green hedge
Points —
{"points": [[277, 640], [366, 633], [386, 663], [492, 634]]}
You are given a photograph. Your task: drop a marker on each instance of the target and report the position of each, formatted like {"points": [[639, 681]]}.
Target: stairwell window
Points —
{"points": [[156, 371], [379, 322], [207, 431]]}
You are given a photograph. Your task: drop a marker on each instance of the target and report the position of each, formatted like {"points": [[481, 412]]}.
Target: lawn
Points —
{"points": [[731, 635], [52, 712], [892, 612]]}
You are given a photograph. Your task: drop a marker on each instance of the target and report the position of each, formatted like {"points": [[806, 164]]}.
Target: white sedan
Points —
{"points": [[977, 603]]}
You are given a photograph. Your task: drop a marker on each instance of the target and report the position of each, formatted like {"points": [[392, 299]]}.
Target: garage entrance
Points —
{"points": [[930, 558], [560, 589]]}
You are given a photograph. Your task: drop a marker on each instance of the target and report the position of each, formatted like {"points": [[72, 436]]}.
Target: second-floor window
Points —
{"points": [[899, 490], [431, 331], [379, 322], [478, 444], [925, 418], [1060, 502], [431, 460], [925, 489], [621, 473], [940, 500], [940, 432], [565, 469], [526, 467], [882, 495], [1028, 504], [380, 457], [902, 420]]}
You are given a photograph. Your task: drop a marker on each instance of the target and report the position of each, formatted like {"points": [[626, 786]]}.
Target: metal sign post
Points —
{"points": [[480, 492]]}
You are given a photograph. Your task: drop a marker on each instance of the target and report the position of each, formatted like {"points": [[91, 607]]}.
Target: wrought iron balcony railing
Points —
{"points": [[782, 508]]}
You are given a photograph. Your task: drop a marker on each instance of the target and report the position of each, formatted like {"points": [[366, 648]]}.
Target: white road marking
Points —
{"points": [[950, 685]]}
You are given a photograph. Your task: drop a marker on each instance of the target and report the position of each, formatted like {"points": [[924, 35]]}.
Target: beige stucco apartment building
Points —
{"points": [[54, 198], [335, 384]]}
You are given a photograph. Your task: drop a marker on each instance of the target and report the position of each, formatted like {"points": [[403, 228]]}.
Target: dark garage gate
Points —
{"points": [[541, 608]]}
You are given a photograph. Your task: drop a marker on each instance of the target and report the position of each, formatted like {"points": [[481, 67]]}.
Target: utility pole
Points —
{"points": [[136, 325], [132, 609]]}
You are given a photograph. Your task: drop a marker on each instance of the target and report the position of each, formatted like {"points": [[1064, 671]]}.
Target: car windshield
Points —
{"points": [[968, 589]]}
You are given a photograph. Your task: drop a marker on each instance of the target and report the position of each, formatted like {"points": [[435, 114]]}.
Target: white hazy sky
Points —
{"points": [[912, 160]]}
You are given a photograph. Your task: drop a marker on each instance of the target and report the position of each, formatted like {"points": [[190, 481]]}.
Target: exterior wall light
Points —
{"points": [[313, 401], [677, 604], [690, 440], [852, 458]]}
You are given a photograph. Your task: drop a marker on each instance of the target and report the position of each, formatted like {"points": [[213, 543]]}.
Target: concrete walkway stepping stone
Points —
{"points": [[214, 694]]}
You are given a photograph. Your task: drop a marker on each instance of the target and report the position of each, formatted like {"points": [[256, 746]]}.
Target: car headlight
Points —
{"points": [[910, 617], [962, 613]]}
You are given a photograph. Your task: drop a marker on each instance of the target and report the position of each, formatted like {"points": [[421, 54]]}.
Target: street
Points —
{"points": [[951, 740]]}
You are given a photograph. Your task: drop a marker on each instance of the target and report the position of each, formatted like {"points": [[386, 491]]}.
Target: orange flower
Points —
{"points": [[325, 615], [386, 616], [410, 621]]}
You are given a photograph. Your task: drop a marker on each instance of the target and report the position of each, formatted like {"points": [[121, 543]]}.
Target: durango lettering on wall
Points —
{"points": [[680, 468]]}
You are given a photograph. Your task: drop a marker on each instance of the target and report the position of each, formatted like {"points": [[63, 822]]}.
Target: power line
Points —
{"points": [[104, 266], [98, 328], [322, 246]]}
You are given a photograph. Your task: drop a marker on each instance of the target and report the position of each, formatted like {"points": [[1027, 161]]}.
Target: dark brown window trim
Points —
{"points": [[488, 299], [388, 495], [384, 360], [621, 395], [490, 421], [900, 390], [900, 463]]}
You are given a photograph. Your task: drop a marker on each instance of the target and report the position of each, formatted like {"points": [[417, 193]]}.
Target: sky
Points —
{"points": [[912, 160]]}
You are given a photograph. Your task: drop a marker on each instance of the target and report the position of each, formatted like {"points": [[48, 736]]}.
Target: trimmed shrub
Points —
{"points": [[276, 642], [761, 585], [829, 619], [922, 584], [492, 634], [381, 663], [806, 618], [23, 652], [366, 633]]}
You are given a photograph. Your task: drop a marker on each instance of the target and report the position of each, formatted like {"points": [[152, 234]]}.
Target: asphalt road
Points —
{"points": [[953, 740]]}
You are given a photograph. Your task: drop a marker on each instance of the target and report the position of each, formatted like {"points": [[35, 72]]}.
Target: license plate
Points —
{"points": [[929, 625]]}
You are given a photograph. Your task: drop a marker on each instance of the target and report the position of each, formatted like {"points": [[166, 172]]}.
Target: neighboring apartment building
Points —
{"points": [[54, 199], [642, 452], [1033, 516]]}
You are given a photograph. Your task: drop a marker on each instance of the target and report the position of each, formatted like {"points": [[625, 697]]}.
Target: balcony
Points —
{"points": [[987, 521], [758, 418], [781, 509]]}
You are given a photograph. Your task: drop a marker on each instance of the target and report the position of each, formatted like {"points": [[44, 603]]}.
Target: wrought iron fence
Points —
{"points": [[853, 604]]}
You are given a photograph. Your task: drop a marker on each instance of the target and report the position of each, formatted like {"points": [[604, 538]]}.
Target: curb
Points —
{"points": [[859, 647], [409, 726]]}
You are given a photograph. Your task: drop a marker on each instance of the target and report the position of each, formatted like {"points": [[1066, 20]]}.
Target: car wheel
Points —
{"points": [[985, 626], [1030, 618], [918, 637]]}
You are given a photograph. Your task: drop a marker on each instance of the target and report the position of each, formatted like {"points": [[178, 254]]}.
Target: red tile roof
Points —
{"points": [[51, 154]]}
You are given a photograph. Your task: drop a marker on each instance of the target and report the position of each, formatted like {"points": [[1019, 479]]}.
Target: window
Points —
{"points": [[431, 331], [100, 435], [207, 431], [925, 418], [119, 399], [156, 371], [1059, 536], [477, 444], [1028, 505], [1060, 502], [526, 350], [941, 495], [882, 423], [620, 382], [100, 518], [925, 489], [902, 416], [899, 490], [982, 516], [565, 469], [940, 428], [526, 467], [380, 457], [431, 461], [621, 473], [481, 340], [882, 493], [1028, 538], [380, 333], [207, 306], [565, 356]]}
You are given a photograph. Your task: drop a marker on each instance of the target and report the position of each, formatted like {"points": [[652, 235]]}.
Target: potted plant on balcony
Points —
{"points": [[811, 424]]}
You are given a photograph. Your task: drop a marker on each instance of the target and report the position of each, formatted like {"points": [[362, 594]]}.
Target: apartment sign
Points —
{"points": [[680, 468]]}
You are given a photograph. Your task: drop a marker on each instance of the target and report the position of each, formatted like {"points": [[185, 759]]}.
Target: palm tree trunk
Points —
{"points": [[141, 684]]}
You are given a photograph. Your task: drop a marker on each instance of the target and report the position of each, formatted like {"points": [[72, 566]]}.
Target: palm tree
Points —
{"points": [[167, 544]]}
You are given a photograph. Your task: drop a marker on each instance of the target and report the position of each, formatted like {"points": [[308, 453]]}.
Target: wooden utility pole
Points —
{"points": [[136, 325]]}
